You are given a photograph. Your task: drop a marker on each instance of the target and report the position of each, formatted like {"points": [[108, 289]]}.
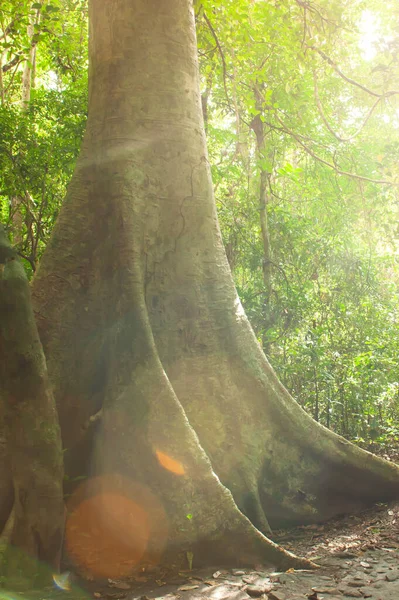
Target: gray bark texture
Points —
{"points": [[159, 381], [31, 473]]}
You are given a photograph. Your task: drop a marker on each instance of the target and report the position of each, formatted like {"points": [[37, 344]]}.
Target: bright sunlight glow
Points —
{"points": [[369, 27], [371, 39]]}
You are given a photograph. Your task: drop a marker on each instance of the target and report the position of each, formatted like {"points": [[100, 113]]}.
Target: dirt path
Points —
{"points": [[358, 558]]}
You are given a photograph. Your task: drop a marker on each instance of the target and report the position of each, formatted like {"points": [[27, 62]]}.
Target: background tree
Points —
{"points": [[35, 525]]}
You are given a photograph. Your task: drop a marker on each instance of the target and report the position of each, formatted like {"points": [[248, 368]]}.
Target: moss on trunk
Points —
{"points": [[31, 430]]}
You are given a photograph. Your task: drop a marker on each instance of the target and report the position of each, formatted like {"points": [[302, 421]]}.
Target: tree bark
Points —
{"points": [[2, 95], [34, 528], [29, 67], [139, 317], [258, 127]]}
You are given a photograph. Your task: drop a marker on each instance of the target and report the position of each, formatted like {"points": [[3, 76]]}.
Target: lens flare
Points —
{"points": [[169, 463], [62, 580], [5, 595], [113, 525]]}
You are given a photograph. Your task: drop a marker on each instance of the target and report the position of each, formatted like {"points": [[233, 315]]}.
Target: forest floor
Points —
{"points": [[358, 557]]}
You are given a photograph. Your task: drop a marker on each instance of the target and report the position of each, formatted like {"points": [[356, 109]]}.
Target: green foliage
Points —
{"points": [[329, 323], [301, 94], [40, 139], [38, 150]]}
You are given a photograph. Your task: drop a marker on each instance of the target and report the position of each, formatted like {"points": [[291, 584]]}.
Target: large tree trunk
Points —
{"points": [[139, 317], [33, 530]]}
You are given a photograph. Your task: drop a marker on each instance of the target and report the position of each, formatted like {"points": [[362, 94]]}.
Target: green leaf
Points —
{"points": [[265, 165]]}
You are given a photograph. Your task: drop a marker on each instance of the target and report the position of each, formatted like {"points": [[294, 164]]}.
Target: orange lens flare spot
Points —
{"points": [[170, 463], [113, 525], [107, 534]]}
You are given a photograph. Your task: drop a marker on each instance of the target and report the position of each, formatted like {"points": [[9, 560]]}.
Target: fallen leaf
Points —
{"points": [[216, 574], [187, 588], [255, 591]]}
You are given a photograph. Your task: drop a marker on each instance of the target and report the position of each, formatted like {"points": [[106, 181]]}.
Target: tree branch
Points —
{"points": [[219, 47], [14, 61], [330, 165], [348, 79], [311, 8], [324, 118]]}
